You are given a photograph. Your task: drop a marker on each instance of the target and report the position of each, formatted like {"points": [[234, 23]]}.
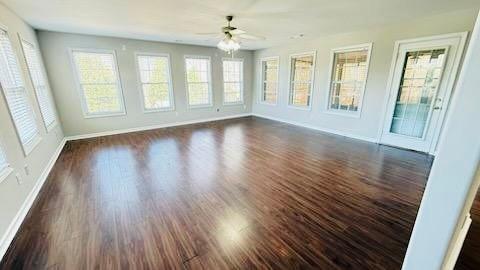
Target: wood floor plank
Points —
{"points": [[247, 193]]}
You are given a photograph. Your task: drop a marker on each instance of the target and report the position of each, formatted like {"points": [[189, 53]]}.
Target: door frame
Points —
{"points": [[450, 82]]}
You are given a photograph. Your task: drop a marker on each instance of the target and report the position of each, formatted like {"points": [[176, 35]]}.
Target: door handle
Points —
{"points": [[437, 108]]}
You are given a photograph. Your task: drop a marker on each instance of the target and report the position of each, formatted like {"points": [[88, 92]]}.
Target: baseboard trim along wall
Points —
{"points": [[213, 119], [331, 131], [452, 259], [12, 229], [128, 130]]}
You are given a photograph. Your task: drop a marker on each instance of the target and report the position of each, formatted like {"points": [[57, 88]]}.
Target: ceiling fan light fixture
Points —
{"points": [[228, 44]]}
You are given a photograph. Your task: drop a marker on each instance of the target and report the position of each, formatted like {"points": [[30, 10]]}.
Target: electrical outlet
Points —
{"points": [[27, 170], [19, 178], [244, 107], [124, 47], [176, 113]]}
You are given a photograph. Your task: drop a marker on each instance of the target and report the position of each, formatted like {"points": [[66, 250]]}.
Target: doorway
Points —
{"points": [[421, 82]]}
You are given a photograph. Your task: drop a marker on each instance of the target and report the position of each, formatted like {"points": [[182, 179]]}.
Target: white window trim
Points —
{"points": [[5, 173], [27, 148], [7, 170], [170, 82], [298, 107], [47, 85], [210, 92], [264, 59], [353, 48], [242, 84], [76, 74]]}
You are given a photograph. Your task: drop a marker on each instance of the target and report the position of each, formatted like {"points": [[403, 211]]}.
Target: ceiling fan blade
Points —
{"points": [[237, 32], [208, 34], [251, 37]]}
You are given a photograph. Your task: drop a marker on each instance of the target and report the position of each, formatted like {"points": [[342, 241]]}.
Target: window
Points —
{"points": [[302, 67], [16, 95], [232, 81], [269, 80], [349, 74], [99, 83], [39, 83], [155, 81], [199, 89], [4, 167]]}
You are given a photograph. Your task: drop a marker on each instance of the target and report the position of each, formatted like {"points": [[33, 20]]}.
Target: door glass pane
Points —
{"points": [[418, 86]]}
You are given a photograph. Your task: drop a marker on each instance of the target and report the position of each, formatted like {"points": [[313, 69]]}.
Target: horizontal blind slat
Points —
{"points": [[15, 92]]}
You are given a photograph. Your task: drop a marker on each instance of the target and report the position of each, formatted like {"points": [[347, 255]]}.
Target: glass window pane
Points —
{"points": [[349, 77], [301, 80], [98, 78], [418, 87], [233, 81], [198, 80], [270, 80]]}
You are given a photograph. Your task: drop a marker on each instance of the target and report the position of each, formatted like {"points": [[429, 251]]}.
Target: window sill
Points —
{"points": [[5, 173], [88, 116], [28, 148], [302, 108], [343, 113], [190, 107], [233, 103], [52, 126], [267, 103], [171, 109]]}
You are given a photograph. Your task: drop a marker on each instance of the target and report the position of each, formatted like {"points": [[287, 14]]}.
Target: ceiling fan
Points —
{"points": [[232, 36]]}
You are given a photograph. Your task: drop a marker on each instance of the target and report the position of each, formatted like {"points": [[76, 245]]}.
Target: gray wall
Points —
{"points": [[13, 195], [383, 38], [55, 47]]}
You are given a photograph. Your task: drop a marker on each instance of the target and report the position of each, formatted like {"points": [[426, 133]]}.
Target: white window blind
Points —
{"points": [[16, 95], [39, 83], [232, 81], [301, 79], [99, 82], [156, 82], [269, 80], [198, 81], [349, 75]]}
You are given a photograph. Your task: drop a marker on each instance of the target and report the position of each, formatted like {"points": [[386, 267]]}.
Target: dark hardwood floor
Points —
{"points": [[469, 258], [246, 193]]}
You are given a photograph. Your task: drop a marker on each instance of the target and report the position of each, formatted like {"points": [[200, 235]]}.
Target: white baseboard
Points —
{"points": [[452, 259], [20, 216], [327, 130], [128, 130]]}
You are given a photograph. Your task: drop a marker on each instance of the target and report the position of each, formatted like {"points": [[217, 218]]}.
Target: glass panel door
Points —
{"points": [[422, 72]]}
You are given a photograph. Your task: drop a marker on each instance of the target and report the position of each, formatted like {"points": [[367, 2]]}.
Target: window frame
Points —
{"points": [[54, 124], [76, 74], [140, 84], [7, 170], [312, 86], [352, 48], [242, 82], [209, 70], [262, 80], [30, 146]]}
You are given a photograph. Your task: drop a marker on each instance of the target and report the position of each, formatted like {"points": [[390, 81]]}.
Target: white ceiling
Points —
{"points": [[179, 20]]}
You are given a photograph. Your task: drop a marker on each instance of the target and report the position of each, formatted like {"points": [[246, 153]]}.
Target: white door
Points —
{"points": [[423, 76]]}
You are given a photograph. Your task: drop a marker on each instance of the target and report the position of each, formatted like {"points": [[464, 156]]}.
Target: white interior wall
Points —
{"points": [[12, 194], [452, 177], [55, 47], [383, 38]]}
